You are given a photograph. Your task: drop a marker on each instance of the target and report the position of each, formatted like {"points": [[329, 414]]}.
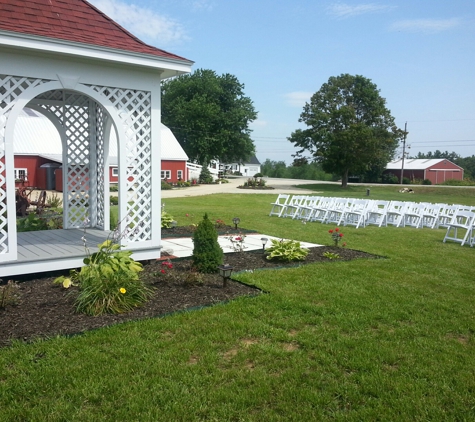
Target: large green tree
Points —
{"points": [[209, 115], [350, 130]]}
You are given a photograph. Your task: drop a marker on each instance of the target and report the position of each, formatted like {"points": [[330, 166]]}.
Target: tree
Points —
{"points": [[350, 130], [209, 116]]}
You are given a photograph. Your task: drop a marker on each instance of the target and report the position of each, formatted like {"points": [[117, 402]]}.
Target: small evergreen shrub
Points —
{"points": [[166, 186], [258, 175], [205, 175], [406, 181], [426, 182], [207, 254], [114, 200]]}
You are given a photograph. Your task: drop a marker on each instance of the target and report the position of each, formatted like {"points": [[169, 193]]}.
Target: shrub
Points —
{"points": [[205, 175], [109, 282], [9, 294], [54, 201], [257, 175], [426, 182], [167, 220], [113, 188], [406, 181], [114, 200], [286, 251], [166, 186], [455, 182], [207, 254]]}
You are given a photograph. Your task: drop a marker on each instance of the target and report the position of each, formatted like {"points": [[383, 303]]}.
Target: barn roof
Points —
{"points": [[414, 163], [75, 21], [36, 135]]}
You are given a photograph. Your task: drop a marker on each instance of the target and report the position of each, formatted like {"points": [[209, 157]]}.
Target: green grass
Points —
{"points": [[389, 339]]}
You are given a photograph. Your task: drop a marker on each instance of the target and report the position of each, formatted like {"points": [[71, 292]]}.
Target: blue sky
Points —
{"points": [[420, 54]]}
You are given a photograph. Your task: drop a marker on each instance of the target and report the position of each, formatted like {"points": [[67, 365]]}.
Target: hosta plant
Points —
{"points": [[167, 220], [286, 250]]}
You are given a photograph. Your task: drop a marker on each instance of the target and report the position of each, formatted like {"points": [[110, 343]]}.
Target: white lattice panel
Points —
{"points": [[11, 87], [134, 108]]}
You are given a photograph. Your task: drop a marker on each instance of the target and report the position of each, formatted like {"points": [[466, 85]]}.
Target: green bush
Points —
{"points": [[166, 186], [113, 188], [114, 200], [166, 220], [426, 182], [406, 181], [109, 282], [286, 251], [258, 175], [205, 175], [207, 254], [455, 182]]}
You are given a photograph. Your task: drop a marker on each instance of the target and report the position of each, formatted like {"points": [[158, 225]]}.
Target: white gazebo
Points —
{"points": [[91, 78]]}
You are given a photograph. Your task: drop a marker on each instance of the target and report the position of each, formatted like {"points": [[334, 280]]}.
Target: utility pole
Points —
{"points": [[403, 152]]}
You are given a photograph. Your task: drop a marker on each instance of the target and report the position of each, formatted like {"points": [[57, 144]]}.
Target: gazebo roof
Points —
{"points": [[75, 21]]}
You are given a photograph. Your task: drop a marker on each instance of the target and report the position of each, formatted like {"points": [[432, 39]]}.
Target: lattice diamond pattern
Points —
{"points": [[81, 122], [11, 87], [134, 109]]}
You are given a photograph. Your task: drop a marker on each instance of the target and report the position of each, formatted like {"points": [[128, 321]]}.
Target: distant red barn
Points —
{"points": [[38, 154], [437, 170]]}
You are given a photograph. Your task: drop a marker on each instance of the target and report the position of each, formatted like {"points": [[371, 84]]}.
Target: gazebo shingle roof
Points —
{"points": [[72, 20]]}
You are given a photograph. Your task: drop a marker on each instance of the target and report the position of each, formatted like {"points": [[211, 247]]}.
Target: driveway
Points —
{"points": [[279, 185]]}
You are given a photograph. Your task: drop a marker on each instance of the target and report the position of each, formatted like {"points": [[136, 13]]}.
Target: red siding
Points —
{"points": [[173, 167], [32, 163], [443, 171]]}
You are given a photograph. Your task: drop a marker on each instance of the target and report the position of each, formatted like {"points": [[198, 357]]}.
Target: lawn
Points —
{"points": [[389, 339]]}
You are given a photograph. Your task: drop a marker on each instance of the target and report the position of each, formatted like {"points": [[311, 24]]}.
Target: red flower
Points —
{"points": [[337, 229], [187, 215], [163, 271], [330, 231], [238, 238], [341, 235], [170, 265]]}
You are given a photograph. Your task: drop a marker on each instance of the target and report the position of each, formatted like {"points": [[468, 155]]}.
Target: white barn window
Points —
{"points": [[21, 174], [166, 174]]}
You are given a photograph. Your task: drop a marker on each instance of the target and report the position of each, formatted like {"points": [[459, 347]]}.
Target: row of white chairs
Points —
{"points": [[362, 212]]}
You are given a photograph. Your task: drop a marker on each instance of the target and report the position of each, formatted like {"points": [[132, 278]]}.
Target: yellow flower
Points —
{"points": [[122, 290]]}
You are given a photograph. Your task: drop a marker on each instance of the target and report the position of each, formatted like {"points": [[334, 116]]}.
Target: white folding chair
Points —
{"points": [[292, 206], [395, 213], [462, 222], [320, 210], [355, 215], [279, 204], [336, 210], [412, 215], [377, 213], [430, 215], [446, 215], [304, 210]]}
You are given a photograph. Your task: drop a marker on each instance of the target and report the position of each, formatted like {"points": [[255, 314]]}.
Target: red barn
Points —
{"points": [[38, 154], [436, 170]]}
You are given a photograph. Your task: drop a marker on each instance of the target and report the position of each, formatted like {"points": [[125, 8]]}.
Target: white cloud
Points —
{"points": [[427, 26], [202, 4], [143, 23], [343, 10], [298, 98]]}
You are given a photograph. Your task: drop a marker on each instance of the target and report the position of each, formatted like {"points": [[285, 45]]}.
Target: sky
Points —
{"points": [[420, 54]]}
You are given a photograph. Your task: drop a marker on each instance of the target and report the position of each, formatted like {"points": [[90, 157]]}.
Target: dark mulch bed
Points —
{"points": [[45, 310]]}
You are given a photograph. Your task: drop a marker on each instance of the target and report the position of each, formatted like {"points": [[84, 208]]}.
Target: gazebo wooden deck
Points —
{"points": [[90, 78]]}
